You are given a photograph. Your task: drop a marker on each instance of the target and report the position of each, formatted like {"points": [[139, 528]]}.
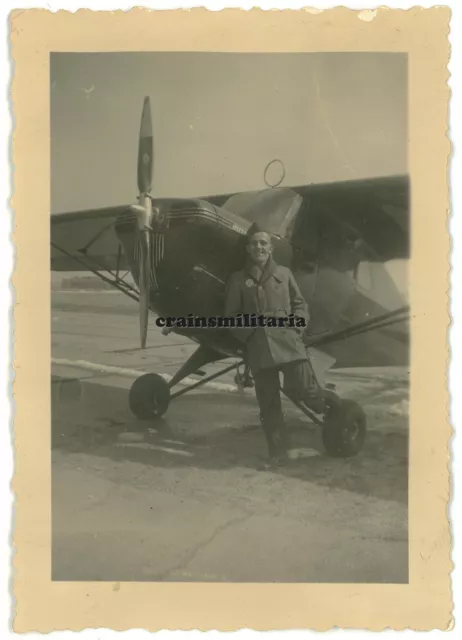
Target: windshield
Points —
{"points": [[273, 209]]}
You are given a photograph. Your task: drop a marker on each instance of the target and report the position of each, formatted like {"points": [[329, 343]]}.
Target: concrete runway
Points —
{"points": [[182, 499]]}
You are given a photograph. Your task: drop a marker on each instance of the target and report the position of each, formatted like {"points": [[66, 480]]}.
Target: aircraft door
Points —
{"points": [[326, 255], [335, 285]]}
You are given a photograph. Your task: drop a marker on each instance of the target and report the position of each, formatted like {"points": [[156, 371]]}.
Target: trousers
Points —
{"points": [[298, 383]]}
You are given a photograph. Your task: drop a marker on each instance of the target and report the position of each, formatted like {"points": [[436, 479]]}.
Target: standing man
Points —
{"points": [[265, 288]]}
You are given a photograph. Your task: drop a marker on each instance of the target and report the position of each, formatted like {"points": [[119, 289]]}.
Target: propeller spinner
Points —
{"points": [[144, 213]]}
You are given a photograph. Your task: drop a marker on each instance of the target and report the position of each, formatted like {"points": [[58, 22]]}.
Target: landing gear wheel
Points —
{"points": [[149, 396], [344, 429]]}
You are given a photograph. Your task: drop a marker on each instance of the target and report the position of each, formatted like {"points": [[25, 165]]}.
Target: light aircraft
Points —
{"points": [[337, 239]]}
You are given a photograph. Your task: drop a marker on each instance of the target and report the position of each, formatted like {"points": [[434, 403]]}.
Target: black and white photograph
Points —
{"points": [[230, 317]]}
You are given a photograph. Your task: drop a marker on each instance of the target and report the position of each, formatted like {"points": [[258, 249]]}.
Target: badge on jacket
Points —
{"points": [[249, 283]]}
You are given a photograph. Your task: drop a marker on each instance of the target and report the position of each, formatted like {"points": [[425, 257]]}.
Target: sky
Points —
{"points": [[219, 119]]}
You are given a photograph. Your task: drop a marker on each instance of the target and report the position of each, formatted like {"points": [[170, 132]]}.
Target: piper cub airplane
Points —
{"points": [[336, 238]]}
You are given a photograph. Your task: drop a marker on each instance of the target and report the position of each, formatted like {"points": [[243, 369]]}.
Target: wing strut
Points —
{"points": [[115, 280], [379, 322]]}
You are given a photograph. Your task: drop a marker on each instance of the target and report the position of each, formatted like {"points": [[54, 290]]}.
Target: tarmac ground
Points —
{"points": [[182, 498]]}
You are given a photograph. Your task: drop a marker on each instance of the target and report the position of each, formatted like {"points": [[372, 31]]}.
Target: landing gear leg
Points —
{"points": [[343, 423]]}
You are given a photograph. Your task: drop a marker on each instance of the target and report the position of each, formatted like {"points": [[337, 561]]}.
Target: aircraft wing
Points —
{"points": [[377, 210], [83, 237]]}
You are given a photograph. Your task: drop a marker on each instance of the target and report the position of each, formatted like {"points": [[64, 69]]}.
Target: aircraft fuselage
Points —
{"points": [[203, 244]]}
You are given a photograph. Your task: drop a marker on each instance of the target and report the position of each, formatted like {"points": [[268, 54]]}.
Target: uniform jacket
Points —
{"points": [[273, 292]]}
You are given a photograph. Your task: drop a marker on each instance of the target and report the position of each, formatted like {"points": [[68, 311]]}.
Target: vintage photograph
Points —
{"points": [[230, 317]]}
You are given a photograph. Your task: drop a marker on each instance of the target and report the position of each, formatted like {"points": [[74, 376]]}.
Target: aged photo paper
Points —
{"points": [[222, 165]]}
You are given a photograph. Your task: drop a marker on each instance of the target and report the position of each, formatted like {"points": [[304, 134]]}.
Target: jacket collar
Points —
{"points": [[260, 275]]}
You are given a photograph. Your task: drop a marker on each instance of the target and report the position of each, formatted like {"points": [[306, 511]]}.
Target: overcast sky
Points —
{"points": [[220, 118]]}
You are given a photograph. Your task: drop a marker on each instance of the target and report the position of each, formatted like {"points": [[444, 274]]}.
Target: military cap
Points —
{"points": [[256, 228]]}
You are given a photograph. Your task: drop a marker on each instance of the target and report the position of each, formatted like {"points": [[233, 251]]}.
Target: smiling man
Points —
{"points": [[265, 288]]}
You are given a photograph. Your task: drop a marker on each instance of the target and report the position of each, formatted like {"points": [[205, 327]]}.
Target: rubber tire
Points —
{"points": [[149, 397], [336, 435]]}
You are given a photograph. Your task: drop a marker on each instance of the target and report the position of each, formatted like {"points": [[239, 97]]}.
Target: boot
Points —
{"points": [[283, 440], [276, 448], [273, 446]]}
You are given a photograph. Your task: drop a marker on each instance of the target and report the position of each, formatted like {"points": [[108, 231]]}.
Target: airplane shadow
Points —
{"points": [[213, 431]]}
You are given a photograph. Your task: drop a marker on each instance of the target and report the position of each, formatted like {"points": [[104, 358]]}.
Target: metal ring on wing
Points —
{"points": [[265, 173]]}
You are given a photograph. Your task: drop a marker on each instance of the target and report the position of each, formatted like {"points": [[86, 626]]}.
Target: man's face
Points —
{"points": [[259, 247]]}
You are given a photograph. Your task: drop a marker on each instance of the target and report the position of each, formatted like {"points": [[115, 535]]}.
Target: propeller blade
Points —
{"points": [[145, 254], [144, 214], [145, 150]]}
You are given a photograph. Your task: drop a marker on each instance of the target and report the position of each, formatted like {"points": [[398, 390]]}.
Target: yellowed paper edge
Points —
{"points": [[426, 602]]}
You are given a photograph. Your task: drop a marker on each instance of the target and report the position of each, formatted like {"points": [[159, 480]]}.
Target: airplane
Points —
{"points": [[337, 239]]}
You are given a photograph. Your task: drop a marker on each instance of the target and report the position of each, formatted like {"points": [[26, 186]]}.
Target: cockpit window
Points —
{"points": [[385, 283], [363, 276], [274, 209]]}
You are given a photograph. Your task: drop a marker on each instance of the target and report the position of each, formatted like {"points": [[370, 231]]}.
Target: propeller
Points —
{"points": [[145, 214]]}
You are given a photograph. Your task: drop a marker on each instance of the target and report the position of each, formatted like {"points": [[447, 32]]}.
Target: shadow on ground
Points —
{"points": [[209, 430]]}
